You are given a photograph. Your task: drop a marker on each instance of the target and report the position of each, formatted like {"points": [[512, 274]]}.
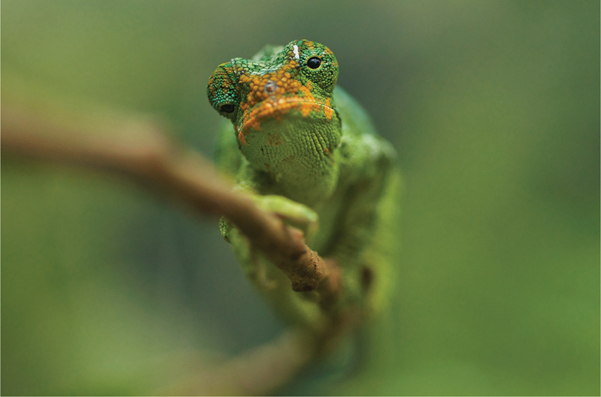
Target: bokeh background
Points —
{"points": [[493, 107]]}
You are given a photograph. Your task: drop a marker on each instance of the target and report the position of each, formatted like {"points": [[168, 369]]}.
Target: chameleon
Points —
{"points": [[305, 150]]}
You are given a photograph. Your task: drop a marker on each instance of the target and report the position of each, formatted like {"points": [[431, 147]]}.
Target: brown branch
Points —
{"points": [[264, 369], [258, 371], [138, 149], [141, 152]]}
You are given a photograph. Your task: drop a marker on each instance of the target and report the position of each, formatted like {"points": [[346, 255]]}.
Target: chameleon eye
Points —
{"points": [[314, 62], [227, 108], [319, 65]]}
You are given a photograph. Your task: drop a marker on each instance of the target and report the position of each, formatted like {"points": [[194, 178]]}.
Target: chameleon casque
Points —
{"points": [[307, 151]]}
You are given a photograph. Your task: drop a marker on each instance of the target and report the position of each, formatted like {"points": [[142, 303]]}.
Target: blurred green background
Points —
{"points": [[493, 107]]}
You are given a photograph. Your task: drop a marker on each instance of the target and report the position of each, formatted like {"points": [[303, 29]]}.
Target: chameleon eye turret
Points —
{"points": [[223, 91], [320, 65]]}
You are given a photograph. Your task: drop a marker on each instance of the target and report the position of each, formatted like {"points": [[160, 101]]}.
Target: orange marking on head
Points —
{"points": [[274, 100], [310, 102], [241, 136], [328, 109]]}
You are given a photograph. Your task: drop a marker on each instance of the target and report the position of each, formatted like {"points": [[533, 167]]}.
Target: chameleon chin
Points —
{"points": [[307, 151]]}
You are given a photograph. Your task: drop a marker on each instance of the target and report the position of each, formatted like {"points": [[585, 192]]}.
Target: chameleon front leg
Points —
{"points": [[294, 214], [298, 307]]}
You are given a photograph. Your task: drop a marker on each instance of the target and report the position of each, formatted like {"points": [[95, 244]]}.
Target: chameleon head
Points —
{"points": [[281, 106]]}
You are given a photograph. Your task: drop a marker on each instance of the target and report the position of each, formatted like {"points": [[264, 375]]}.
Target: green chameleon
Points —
{"points": [[307, 151]]}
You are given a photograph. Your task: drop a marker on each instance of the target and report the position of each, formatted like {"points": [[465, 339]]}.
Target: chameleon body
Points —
{"points": [[307, 151]]}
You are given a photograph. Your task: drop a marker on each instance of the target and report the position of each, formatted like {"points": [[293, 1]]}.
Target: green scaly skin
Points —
{"points": [[307, 151]]}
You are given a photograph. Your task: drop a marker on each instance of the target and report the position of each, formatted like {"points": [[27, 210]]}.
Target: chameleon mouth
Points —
{"points": [[276, 108]]}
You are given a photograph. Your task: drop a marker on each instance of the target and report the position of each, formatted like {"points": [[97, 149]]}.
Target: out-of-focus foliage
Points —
{"points": [[493, 107]]}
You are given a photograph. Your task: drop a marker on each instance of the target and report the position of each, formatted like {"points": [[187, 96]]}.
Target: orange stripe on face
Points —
{"points": [[241, 136], [272, 91], [328, 109]]}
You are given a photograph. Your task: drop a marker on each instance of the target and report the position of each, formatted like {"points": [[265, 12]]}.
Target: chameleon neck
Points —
{"points": [[308, 184], [298, 159]]}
